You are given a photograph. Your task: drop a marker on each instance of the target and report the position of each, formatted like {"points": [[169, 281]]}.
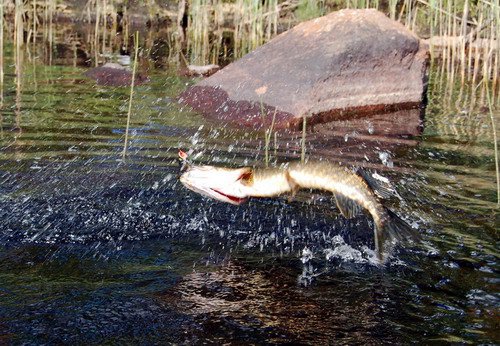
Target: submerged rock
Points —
{"points": [[112, 74], [347, 64]]}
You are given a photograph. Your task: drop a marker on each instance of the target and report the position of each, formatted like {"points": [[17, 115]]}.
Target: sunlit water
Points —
{"points": [[95, 249]]}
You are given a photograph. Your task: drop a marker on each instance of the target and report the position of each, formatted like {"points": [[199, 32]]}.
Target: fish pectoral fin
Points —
{"points": [[380, 185], [348, 208]]}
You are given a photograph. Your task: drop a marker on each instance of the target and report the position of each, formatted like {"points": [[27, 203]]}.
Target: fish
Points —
{"points": [[354, 191]]}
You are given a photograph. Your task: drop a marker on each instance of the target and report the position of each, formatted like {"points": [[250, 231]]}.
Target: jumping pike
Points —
{"points": [[352, 192]]}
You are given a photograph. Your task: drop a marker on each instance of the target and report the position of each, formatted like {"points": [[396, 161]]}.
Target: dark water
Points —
{"points": [[98, 250]]}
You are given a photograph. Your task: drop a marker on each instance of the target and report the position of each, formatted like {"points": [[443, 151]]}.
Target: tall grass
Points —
{"points": [[18, 57], [18, 39], [199, 24], [96, 31], [51, 9], [103, 39], [251, 23], [307, 9], [495, 142], [255, 22]]}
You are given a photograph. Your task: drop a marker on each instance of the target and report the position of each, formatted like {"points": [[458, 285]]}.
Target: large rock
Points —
{"points": [[347, 64]]}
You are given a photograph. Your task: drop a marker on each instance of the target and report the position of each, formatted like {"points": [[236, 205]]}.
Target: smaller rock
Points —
{"points": [[112, 74], [202, 70]]}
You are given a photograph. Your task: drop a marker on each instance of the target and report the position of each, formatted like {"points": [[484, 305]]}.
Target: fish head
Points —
{"points": [[223, 184]]}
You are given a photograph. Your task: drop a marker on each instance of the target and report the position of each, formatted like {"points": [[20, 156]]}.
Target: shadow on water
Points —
{"points": [[94, 249]]}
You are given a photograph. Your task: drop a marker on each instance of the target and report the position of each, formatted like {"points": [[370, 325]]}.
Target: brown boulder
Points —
{"points": [[347, 64]]}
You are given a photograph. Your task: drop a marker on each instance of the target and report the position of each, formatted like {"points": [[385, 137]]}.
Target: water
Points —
{"points": [[97, 250]]}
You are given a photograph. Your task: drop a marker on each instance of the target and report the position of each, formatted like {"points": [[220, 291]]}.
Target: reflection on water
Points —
{"points": [[101, 250], [247, 304]]}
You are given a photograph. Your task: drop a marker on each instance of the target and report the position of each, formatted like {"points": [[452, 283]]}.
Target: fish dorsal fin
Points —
{"points": [[246, 176], [379, 184], [348, 208]]}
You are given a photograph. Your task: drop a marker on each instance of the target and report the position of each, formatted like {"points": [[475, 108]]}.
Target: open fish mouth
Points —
{"points": [[231, 199], [211, 192]]}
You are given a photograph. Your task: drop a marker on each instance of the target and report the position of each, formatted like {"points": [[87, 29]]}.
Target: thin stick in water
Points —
{"points": [[1, 51], [136, 50], [269, 132], [303, 140]]}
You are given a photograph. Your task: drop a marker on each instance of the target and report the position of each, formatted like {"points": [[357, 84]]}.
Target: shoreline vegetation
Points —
{"points": [[463, 36]]}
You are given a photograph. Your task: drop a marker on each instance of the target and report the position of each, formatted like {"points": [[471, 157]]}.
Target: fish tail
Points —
{"points": [[389, 230]]}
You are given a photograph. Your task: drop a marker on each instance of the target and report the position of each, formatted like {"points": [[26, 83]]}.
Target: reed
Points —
{"points": [[472, 48], [303, 140], [199, 24], [45, 21], [51, 9], [392, 8], [463, 33], [2, 4], [495, 144], [136, 53], [275, 144], [114, 24], [96, 32], [18, 39], [308, 9], [103, 13], [268, 134], [104, 24], [181, 10], [30, 15], [255, 22], [18, 51], [126, 26], [218, 32]]}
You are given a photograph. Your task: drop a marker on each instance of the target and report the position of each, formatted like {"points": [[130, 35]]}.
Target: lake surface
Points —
{"points": [[94, 249]]}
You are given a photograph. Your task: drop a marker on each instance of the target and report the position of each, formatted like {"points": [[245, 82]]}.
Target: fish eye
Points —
{"points": [[246, 177]]}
